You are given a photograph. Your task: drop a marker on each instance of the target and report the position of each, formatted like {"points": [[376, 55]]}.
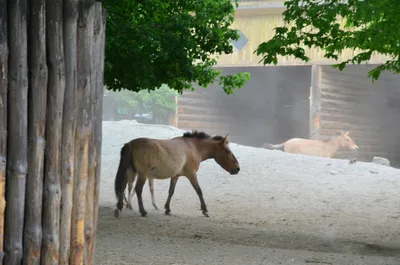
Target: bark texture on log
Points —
{"points": [[3, 118], [96, 96], [83, 131], [99, 42], [37, 96], [17, 141], [69, 127], [55, 100]]}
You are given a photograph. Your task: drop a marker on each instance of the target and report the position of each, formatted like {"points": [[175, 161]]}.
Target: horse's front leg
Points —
{"points": [[151, 187], [195, 183], [141, 180], [171, 191]]}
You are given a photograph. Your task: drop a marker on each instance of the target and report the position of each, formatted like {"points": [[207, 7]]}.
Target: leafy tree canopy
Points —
{"points": [[173, 42], [369, 27]]}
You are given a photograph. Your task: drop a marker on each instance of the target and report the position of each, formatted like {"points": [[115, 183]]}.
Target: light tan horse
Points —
{"points": [[173, 158], [315, 147]]}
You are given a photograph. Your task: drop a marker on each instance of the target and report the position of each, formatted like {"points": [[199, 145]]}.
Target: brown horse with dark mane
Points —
{"points": [[173, 158]]}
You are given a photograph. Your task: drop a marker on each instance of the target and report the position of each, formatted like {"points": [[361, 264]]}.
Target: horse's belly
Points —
{"points": [[166, 171]]}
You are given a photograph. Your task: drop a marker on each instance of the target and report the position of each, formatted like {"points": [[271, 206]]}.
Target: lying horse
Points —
{"points": [[173, 158], [315, 147]]}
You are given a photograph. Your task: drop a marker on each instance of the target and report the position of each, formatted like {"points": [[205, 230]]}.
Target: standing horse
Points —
{"points": [[173, 158], [315, 147]]}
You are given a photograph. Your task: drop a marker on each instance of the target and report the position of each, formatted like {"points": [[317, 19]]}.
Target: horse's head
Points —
{"points": [[225, 158], [347, 142]]}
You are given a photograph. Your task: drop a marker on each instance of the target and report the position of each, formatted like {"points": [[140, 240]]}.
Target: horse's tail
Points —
{"points": [[120, 179], [274, 146]]}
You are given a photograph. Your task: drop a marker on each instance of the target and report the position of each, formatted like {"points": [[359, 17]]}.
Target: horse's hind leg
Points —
{"points": [[131, 175], [193, 180], [151, 186], [141, 180], [170, 193], [129, 203]]}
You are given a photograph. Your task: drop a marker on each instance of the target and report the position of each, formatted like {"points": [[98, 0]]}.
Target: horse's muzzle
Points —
{"points": [[355, 147], [235, 171]]}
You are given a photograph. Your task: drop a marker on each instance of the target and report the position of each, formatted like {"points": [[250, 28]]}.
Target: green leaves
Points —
{"points": [[369, 26], [150, 43], [159, 102]]}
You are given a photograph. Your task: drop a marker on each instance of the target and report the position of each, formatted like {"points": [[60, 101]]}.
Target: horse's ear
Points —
{"points": [[223, 141]]}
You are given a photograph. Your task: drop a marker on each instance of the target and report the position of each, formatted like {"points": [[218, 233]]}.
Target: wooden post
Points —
{"points": [[97, 91], [56, 88], [17, 150], [83, 130], [69, 127], [3, 117], [315, 102], [37, 96]]}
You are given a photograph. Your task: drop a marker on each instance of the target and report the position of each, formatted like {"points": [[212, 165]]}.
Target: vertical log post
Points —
{"points": [[3, 117], [37, 96], [99, 42], [83, 130], [55, 100], [89, 218], [17, 152], [69, 127], [315, 102]]}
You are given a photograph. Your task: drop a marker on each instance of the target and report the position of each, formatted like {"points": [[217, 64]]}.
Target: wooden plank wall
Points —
{"points": [[349, 101], [272, 107], [199, 110]]}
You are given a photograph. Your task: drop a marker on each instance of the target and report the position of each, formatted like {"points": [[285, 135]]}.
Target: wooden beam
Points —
{"points": [[70, 18], [55, 94], [37, 99], [17, 140], [3, 117], [83, 131], [99, 42], [315, 102]]}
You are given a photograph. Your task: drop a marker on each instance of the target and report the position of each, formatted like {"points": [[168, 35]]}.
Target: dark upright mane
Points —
{"points": [[202, 136]]}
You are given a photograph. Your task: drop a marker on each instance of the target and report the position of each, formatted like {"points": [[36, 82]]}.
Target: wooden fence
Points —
{"points": [[51, 87], [347, 100]]}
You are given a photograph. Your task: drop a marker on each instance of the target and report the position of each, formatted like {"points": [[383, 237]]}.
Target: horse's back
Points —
{"points": [[304, 146], [165, 158]]}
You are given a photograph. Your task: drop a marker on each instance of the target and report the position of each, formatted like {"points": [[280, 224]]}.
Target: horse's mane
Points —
{"points": [[332, 137], [202, 136]]}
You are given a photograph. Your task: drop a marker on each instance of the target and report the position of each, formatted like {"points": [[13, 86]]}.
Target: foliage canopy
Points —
{"points": [[369, 26], [160, 103], [172, 42]]}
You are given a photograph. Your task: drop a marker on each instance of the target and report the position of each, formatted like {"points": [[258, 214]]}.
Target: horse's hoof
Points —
{"points": [[129, 207], [206, 214], [143, 214], [116, 213], [167, 212]]}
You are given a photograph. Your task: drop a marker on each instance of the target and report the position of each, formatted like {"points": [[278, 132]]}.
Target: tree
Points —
{"points": [[172, 42], [369, 26], [160, 103]]}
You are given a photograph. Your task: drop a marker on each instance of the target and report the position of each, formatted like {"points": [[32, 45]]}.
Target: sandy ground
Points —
{"points": [[280, 209]]}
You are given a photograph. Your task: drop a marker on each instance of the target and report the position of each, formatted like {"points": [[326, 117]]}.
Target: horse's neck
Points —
{"points": [[205, 148], [332, 146]]}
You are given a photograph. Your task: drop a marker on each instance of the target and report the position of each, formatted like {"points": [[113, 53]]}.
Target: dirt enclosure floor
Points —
{"points": [[280, 209]]}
